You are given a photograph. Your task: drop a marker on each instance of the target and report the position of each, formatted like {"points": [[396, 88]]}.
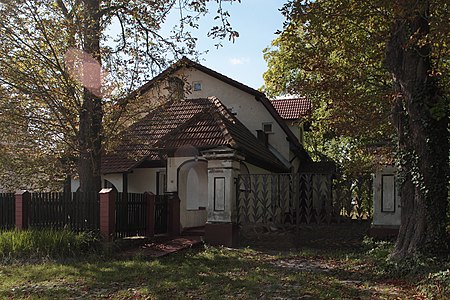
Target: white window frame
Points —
{"points": [[264, 129], [197, 84]]}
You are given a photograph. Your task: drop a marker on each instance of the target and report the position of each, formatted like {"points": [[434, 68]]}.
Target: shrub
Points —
{"points": [[436, 285]]}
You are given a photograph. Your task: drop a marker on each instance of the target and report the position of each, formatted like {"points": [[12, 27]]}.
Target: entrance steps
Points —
{"points": [[194, 231]]}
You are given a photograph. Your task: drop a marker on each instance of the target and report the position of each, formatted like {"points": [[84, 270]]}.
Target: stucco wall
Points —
{"points": [[143, 180], [256, 170], [193, 193], [74, 184], [115, 179], [386, 206], [249, 111]]}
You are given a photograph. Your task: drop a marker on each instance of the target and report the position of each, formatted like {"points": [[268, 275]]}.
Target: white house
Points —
{"points": [[207, 130]]}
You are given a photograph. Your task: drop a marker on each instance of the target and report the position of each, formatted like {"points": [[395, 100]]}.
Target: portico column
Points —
{"points": [[223, 170]]}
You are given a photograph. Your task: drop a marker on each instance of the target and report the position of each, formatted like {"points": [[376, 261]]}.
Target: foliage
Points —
{"points": [[372, 68], [66, 66], [432, 274], [436, 285], [336, 61], [333, 52], [38, 244]]}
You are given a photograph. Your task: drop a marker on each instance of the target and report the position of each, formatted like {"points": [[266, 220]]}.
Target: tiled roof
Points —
{"points": [[199, 123], [292, 109], [259, 96]]}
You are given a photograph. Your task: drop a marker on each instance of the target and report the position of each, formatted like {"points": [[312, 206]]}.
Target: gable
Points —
{"points": [[292, 109], [198, 123], [252, 107]]}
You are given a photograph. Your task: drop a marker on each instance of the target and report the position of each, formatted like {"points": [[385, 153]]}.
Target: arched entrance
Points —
{"points": [[193, 193]]}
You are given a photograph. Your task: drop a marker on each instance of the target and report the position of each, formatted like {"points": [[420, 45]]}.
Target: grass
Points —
{"points": [[47, 243], [253, 272]]}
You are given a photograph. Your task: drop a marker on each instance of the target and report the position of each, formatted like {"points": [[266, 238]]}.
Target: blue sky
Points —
{"points": [[256, 21]]}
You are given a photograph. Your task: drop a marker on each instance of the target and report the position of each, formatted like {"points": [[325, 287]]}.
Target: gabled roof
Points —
{"points": [[259, 96], [198, 123], [292, 109]]}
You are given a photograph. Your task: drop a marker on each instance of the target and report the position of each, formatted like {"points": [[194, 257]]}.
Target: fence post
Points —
{"points": [[150, 226], [107, 213], [22, 199], [174, 214]]}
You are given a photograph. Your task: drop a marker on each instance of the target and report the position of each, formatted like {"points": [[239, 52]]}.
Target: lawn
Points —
{"points": [[216, 273]]}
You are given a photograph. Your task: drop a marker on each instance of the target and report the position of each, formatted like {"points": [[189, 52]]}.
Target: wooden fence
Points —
{"points": [[7, 211], [126, 214], [161, 214], [131, 215], [75, 211]]}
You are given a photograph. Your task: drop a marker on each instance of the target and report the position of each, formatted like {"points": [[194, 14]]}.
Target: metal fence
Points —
{"points": [[7, 211], [284, 201]]}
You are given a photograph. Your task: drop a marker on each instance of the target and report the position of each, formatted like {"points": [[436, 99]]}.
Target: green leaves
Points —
{"points": [[43, 101], [333, 51]]}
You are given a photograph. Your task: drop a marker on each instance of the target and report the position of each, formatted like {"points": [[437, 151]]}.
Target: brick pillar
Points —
{"points": [[22, 209], [174, 225], [107, 213], [150, 228]]}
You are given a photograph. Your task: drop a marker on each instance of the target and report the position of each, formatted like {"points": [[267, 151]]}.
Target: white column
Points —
{"points": [[223, 170]]}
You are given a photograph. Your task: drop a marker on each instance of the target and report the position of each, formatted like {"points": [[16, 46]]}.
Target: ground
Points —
{"points": [[267, 266]]}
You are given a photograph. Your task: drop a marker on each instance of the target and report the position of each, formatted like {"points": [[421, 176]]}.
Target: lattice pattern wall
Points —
{"points": [[282, 199]]}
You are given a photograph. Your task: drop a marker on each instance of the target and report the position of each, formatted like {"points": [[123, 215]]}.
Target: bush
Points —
{"points": [[436, 285], [46, 243]]}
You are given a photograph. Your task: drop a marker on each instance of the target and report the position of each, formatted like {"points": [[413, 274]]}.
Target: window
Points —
{"points": [[267, 127], [197, 86], [161, 183]]}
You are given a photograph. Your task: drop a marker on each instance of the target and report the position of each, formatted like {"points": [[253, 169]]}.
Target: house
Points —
{"points": [[295, 112], [205, 131]]}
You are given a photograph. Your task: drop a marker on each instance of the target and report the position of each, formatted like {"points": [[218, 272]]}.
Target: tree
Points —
{"points": [[51, 65], [421, 116], [376, 65]]}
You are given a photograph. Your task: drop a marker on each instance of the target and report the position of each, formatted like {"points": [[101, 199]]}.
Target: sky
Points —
{"points": [[256, 21]]}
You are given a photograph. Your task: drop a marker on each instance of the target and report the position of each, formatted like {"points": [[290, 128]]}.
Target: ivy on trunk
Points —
{"points": [[422, 135]]}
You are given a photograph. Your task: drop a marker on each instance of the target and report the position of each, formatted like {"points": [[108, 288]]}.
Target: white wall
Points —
{"points": [[140, 180], [143, 180], [74, 184], [256, 170], [115, 179], [249, 111], [193, 193], [386, 204], [173, 164]]}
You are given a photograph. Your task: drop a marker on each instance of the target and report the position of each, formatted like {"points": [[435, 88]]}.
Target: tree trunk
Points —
{"points": [[90, 134], [422, 136]]}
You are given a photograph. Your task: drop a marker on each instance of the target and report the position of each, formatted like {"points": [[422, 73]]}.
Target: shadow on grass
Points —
{"points": [[319, 237], [211, 273], [326, 264]]}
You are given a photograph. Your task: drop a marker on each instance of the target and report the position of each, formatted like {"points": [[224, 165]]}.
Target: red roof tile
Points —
{"points": [[259, 96], [292, 109], [199, 123]]}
